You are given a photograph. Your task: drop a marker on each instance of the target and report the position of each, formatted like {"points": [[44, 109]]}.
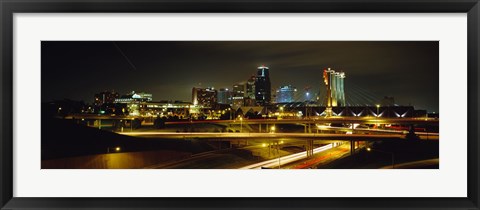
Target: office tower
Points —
{"points": [[262, 86], [224, 96], [334, 81], [206, 97]]}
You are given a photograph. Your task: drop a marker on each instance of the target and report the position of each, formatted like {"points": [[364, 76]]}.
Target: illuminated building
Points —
{"points": [[238, 90], [105, 97], [179, 109], [168, 109], [249, 99], [285, 94], [135, 97], [224, 96], [206, 97], [335, 89], [130, 103], [238, 95], [262, 86], [250, 92]]}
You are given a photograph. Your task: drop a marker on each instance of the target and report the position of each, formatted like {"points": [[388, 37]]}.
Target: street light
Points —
{"points": [[272, 129], [378, 107], [391, 153], [116, 149], [281, 111]]}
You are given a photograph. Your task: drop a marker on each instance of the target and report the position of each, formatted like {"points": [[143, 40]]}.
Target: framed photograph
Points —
{"points": [[185, 105]]}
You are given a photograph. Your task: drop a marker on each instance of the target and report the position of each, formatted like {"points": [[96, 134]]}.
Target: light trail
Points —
{"points": [[286, 159]]}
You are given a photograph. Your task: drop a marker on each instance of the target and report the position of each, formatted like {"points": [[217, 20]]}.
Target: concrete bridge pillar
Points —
{"points": [[329, 111], [352, 147], [269, 147], [309, 148]]}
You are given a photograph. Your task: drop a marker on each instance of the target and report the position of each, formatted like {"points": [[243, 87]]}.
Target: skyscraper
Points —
{"points": [[224, 96], [251, 87], [238, 95], [262, 86], [250, 92], [206, 97], [238, 90], [335, 87]]}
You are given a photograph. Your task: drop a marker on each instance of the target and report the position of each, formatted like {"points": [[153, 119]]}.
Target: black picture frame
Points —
{"points": [[9, 7]]}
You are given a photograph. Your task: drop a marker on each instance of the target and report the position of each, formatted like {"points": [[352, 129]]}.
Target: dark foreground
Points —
{"points": [[69, 145]]}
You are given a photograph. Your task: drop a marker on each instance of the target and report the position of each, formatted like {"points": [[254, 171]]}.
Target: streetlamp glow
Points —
{"points": [[378, 107], [281, 112], [117, 149]]}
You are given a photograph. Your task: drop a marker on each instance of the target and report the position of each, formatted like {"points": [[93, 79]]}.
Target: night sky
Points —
{"points": [[408, 71]]}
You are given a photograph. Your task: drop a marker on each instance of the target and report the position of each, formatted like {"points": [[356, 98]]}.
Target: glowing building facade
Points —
{"points": [[206, 97], [334, 81], [250, 92], [134, 97], [262, 86]]}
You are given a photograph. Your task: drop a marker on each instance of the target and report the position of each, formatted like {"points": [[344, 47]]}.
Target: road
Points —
{"points": [[322, 154]]}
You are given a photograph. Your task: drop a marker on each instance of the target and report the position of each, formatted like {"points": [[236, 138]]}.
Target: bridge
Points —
{"points": [[320, 120], [276, 138], [306, 120]]}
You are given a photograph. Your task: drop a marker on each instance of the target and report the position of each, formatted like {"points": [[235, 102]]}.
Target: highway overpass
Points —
{"points": [[275, 136], [310, 120]]}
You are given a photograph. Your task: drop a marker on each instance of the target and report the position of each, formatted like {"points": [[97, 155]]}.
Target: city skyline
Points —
{"points": [[378, 68]]}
